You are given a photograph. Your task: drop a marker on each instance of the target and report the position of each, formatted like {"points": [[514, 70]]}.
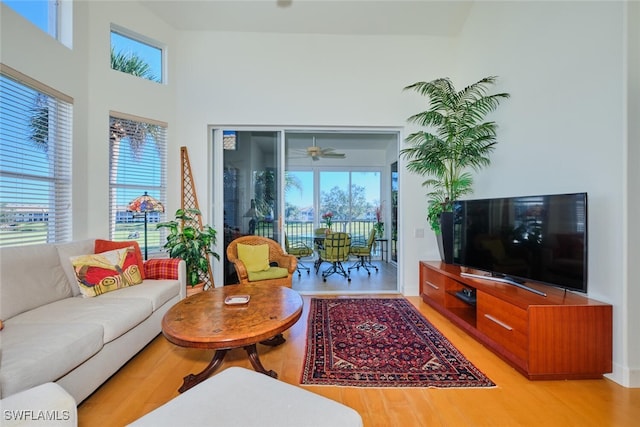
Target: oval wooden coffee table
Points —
{"points": [[204, 320]]}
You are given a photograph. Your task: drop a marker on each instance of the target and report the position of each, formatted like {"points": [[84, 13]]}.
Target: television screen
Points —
{"points": [[530, 238]]}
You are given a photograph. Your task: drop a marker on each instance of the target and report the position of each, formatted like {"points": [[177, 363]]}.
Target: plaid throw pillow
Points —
{"points": [[165, 268]]}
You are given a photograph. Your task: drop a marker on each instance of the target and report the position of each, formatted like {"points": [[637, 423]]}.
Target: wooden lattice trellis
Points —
{"points": [[190, 201]]}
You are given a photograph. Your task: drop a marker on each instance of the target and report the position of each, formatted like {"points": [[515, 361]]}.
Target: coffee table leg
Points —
{"points": [[255, 361], [274, 341], [193, 379]]}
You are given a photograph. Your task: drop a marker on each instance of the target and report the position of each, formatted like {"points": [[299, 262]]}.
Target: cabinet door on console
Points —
{"points": [[505, 324], [432, 284]]}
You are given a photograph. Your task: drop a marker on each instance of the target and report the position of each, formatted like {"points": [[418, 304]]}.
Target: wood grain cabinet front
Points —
{"points": [[432, 284], [552, 335], [505, 324]]}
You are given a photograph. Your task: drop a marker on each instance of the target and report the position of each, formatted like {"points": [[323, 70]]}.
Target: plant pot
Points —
{"points": [[195, 289], [445, 238]]}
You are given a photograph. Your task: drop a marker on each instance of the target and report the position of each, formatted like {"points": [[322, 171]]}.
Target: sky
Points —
{"points": [[369, 180], [35, 11]]}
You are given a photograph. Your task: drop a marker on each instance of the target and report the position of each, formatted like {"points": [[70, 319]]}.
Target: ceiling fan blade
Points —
{"points": [[333, 155]]}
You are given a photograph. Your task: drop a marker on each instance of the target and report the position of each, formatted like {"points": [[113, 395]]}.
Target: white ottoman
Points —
{"points": [[44, 405], [240, 397]]}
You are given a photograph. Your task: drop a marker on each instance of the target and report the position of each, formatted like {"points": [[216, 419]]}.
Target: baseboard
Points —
{"points": [[624, 376]]}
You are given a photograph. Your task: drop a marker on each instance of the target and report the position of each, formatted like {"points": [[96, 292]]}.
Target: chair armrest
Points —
{"points": [[286, 261], [168, 268], [241, 270]]}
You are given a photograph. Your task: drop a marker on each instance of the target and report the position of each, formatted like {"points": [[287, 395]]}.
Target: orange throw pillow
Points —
{"points": [[109, 245]]}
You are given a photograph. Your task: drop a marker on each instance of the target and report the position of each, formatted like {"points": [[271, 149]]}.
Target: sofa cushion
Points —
{"points": [[68, 250], [115, 315], [254, 257], [107, 271], [34, 354], [109, 245], [30, 276], [158, 292]]}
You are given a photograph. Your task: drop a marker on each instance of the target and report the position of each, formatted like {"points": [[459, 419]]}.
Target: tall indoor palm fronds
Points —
{"points": [[458, 139]]}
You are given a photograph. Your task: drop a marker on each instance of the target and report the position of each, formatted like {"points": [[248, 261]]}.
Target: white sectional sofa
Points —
{"points": [[53, 334]]}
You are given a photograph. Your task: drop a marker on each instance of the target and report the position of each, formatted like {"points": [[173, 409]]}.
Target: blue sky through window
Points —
{"points": [[17, 151], [35, 11], [152, 55], [134, 181], [304, 199]]}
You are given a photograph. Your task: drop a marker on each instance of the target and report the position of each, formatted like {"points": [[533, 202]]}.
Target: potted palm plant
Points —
{"points": [[188, 241], [458, 140]]}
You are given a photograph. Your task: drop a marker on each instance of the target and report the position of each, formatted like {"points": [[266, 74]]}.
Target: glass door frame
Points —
{"points": [[216, 194], [215, 185]]}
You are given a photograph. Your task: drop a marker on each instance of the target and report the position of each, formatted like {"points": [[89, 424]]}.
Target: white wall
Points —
{"points": [[563, 129], [631, 343], [304, 80], [110, 90]]}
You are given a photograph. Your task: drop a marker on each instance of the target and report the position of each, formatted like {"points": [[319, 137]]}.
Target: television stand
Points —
{"points": [[504, 280], [545, 335]]}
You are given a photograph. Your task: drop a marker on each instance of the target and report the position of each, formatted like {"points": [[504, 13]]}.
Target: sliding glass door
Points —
{"points": [[251, 175], [275, 182]]}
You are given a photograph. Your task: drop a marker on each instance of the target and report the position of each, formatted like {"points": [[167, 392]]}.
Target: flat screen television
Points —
{"points": [[529, 238]]}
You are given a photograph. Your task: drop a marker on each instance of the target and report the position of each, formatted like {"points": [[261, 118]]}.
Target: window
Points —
{"points": [[54, 17], [35, 161], [138, 158], [136, 55], [352, 197], [42, 13]]}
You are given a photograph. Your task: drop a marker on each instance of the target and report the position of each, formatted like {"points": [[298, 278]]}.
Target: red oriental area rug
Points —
{"points": [[381, 342]]}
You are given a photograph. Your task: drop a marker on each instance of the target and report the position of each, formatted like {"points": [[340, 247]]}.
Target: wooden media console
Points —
{"points": [[558, 335]]}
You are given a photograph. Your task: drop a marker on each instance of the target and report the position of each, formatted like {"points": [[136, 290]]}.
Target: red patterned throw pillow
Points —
{"points": [[106, 271], [109, 245]]}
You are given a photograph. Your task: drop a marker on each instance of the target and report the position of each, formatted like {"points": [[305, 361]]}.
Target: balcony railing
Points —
{"points": [[304, 230]]}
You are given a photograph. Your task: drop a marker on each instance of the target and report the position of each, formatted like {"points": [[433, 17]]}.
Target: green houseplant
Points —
{"points": [[187, 241], [457, 141]]}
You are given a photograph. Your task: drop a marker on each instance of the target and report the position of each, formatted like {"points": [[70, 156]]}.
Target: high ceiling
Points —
{"points": [[358, 17]]}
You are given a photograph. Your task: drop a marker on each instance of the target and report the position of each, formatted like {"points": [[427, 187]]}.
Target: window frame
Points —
{"points": [[116, 212], [58, 176], [142, 39], [59, 20]]}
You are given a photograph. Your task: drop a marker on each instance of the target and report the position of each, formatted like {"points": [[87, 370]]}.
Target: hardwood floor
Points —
{"points": [[385, 280], [154, 375]]}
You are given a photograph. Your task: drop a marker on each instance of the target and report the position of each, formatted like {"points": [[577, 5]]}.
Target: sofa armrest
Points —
{"points": [[168, 268]]}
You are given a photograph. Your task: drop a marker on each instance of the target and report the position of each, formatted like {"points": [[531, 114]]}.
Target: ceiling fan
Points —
{"points": [[316, 152]]}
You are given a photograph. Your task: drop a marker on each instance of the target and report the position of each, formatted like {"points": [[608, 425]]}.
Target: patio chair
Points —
{"points": [[363, 252], [319, 235], [336, 251], [299, 250]]}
